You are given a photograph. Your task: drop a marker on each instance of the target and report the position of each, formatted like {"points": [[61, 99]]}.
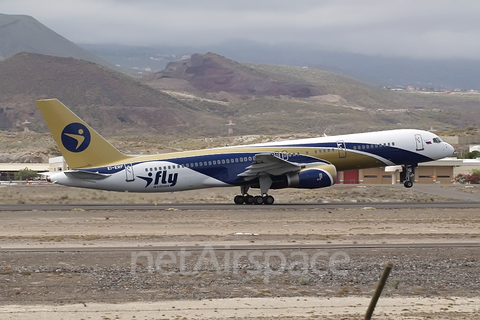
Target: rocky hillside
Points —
{"points": [[213, 73], [200, 96], [263, 98], [110, 101]]}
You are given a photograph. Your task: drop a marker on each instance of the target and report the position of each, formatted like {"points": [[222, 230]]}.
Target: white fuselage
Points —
{"points": [[222, 166]]}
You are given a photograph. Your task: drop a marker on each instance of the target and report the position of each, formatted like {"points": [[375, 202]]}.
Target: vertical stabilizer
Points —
{"points": [[79, 144]]}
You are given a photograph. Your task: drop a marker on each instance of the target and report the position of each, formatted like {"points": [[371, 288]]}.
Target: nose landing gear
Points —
{"points": [[407, 176]]}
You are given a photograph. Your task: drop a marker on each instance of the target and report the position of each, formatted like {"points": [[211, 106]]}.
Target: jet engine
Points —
{"points": [[314, 177]]}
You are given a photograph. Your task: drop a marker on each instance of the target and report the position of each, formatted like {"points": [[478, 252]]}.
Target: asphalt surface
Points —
{"points": [[447, 193], [253, 247], [231, 206]]}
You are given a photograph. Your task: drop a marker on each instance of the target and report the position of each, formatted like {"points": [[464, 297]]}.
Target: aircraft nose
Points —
{"points": [[449, 149]]}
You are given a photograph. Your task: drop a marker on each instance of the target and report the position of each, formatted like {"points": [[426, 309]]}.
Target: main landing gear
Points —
{"points": [[249, 199], [265, 183]]}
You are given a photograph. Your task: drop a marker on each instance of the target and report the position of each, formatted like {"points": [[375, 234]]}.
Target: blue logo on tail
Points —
{"points": [[75, 137]]}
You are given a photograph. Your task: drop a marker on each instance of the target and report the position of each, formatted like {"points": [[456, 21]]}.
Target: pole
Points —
{"points": [[379, 290]]}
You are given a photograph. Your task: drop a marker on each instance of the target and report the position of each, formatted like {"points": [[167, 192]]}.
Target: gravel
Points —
{"points": [[73, 277]]}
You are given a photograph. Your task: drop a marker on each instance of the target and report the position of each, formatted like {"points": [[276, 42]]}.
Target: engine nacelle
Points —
{"points": [[320, 176]]}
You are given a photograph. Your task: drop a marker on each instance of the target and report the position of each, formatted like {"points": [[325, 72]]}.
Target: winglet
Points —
{"points": [[79, 144]]}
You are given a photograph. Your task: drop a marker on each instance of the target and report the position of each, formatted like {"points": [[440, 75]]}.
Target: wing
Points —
{"points": [[267, 163]]}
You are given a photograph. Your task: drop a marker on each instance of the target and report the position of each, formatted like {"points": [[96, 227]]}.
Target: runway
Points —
{"points": [[251, 247], [231, 206], [119, 254], [198, 246]]}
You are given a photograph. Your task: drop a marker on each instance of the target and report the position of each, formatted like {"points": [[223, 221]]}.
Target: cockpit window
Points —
{"points": [[437, 140]]}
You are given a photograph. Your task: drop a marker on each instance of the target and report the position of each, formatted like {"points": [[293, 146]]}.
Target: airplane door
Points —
{"points": [[342, 149], [418, 142], [129, 176]]}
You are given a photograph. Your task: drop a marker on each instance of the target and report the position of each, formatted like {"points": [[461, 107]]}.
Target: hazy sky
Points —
{"points": [[411, 28]]}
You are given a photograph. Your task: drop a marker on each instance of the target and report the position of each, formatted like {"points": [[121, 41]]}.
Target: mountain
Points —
{"points": [[201, 95], [108, 100], [213, 73], [23, 33], [272, 98], [376, 70]]}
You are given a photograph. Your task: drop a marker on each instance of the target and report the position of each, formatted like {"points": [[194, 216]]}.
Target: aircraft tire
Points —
{"points": [[408, 184], [268, 200], [239, 199], [258, 200], [249, 199]]}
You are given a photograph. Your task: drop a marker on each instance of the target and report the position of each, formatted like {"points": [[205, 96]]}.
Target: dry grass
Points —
{"points": [[51, 194]]}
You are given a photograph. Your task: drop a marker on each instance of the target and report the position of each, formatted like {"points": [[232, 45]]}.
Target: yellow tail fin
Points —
{"points": [[79, 144]]}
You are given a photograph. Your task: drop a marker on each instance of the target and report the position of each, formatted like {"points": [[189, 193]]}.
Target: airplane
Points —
{"points": [[304, 163]]}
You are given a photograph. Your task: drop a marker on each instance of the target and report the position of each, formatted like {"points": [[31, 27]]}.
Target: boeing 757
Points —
{"points": [[305, 164]]}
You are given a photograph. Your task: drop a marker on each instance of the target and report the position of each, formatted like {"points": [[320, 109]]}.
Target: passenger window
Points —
{"points": [[146, 169]]}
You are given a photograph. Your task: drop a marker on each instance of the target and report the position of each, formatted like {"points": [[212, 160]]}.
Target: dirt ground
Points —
{"points": [[426, 283]]}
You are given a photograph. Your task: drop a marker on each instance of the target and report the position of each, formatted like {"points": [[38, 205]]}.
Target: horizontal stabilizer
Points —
{"points": [[85, 175]]}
